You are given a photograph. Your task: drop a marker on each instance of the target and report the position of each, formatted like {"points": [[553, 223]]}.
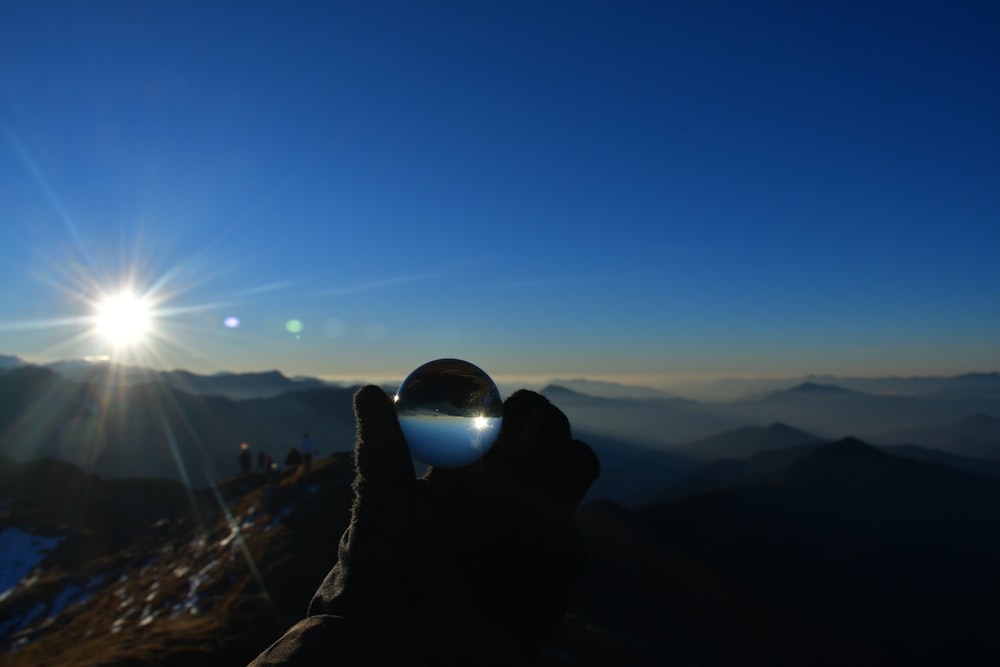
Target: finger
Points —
{"points": [[524, 462], [577, 466], [383, 467], [538, 447], [532, 426], [535, 458]]}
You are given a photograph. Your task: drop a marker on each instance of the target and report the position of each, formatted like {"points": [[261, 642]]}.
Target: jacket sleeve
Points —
{"points": [[334, 640]]}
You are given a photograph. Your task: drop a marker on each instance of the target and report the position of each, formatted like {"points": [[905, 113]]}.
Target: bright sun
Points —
{"points": [[124, 319]]}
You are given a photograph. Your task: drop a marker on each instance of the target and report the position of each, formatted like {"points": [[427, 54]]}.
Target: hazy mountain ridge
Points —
{"points": [[650, 422], [633, 475], [965, 385], [844, 556], [962, 385], [763, 465], [115, 512], [10, 361], [827, 412], [155, 430], [602, 389], [976, 436], [747, 441], [235, 386]]}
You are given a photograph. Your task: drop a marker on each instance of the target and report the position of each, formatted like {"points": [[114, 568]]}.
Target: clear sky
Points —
{"points": [[615, 190]]}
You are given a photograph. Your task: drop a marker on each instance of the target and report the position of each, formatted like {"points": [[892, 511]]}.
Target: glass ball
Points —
{"points": [[450, 412]]}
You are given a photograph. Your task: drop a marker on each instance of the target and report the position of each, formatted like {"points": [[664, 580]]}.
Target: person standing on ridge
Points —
{"points": [[246, 460], [308, 448]]}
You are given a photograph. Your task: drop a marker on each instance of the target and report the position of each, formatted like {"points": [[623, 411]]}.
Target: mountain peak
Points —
{"points": [[10, 361], [744, 442], [555, 390], [780, 427], [837, 460], [603, 389], [817, 388], [849, 448]]}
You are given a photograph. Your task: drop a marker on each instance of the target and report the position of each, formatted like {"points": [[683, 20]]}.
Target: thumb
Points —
{"points": [[383, 467]]}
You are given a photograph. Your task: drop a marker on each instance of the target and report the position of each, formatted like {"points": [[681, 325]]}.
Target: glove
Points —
{"points": [[465, 566]]}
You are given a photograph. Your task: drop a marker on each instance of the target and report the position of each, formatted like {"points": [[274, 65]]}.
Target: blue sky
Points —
{"points": [[626, 191]]}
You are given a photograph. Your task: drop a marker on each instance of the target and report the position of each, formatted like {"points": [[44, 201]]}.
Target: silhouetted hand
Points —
{"points": [[466, 566]]}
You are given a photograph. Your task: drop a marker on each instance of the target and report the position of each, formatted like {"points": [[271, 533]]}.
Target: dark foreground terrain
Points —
{"points": [[845, 555]]}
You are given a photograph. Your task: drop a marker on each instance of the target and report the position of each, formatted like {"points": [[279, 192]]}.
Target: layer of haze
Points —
{"points": [[620, 191]]}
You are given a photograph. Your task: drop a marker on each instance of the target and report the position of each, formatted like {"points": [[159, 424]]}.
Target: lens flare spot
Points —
{"points": [[334, 327], [294, 326], [232, 322]]}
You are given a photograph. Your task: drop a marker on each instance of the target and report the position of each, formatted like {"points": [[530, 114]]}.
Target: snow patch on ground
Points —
{"points": [[20, 552], [66, 597], [30, 617], [190, 603], [280, 516]]}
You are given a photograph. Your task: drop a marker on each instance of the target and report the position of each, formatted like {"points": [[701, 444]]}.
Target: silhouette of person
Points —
{"points": [[246, 460], [308, 449], [294, 458], [465, 566]]}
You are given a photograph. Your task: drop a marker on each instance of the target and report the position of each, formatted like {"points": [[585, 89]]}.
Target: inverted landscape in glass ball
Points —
{"points": [[450, 412]]}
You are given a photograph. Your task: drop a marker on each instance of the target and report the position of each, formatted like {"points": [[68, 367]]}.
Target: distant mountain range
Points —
{"points": [[826, 411], [658, 439], [956, 386], [976, 436], [9, 361], [231, 385], [609, 389], [127, 422], [745, 442], [156, 430], [633, 476], [968, 385]]}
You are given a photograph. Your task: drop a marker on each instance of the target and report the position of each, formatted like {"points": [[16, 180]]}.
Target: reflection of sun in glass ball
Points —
{"points": [[450, 412]]}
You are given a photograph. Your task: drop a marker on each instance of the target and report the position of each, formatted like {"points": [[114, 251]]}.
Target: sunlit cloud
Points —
{"points": [[378, 284], [558, 281], [334, 327], [262, 289]]}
